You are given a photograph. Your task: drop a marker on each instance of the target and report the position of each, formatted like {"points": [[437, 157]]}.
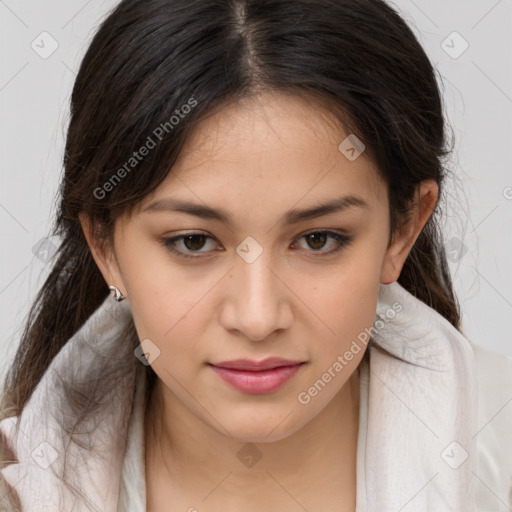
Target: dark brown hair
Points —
{"points": [[150, 58]]}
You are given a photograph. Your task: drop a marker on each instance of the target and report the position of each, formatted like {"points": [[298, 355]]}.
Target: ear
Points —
{"points": [[425, 200], [103, 255]]}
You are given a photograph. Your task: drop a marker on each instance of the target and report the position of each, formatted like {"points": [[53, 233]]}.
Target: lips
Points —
{"points": [[257, 377], [247, 364]]}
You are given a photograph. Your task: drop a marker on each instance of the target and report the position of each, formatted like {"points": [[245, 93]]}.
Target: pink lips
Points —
{"points": [[257, 377]]}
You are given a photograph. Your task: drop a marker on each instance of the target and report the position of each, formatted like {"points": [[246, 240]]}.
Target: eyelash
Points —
{"points": [[342, 240]]}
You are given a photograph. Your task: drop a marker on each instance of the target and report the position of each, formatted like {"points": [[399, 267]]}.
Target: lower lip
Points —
{"points": [[252, 382]]}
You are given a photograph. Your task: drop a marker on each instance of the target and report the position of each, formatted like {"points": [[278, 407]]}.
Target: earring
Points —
{"points": [[118, 295]]}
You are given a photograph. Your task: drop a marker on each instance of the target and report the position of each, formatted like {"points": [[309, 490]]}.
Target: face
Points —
{"points": [[261, 278]]}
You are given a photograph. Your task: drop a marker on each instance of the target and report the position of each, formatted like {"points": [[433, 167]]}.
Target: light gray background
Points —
{"points": [[34, 96]]}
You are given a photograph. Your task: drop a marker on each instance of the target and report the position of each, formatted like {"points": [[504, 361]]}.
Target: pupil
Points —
{"points": [[322, 236], [188, 238]]}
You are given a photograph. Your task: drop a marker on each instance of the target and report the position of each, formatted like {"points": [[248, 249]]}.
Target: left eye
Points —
{"points": [[315, 239]]}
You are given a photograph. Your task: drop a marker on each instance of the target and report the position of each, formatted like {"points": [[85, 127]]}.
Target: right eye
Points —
{"points": [[191, 241]]}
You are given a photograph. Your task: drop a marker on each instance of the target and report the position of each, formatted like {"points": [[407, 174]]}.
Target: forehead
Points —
{"points": [[272, 147]]}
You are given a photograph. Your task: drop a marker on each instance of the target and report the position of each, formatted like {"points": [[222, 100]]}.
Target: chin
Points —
{"points": [[265, 428]]}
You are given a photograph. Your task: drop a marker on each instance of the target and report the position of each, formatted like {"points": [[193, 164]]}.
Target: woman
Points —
{"points": [[258, 183]]}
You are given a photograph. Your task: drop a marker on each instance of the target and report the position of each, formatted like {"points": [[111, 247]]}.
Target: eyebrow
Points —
{"points": [[293, 216]]}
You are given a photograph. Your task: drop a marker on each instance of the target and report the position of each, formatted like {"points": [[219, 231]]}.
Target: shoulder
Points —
{"points": [[494, 434]]}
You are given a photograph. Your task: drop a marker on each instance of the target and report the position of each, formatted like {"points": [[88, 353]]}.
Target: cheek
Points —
{"points": [[169, 311], [159, 296], [349, 318], [174, 337], [346, 303], [169, 318]]}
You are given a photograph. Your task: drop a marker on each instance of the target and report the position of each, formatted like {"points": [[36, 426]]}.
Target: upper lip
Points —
{"points": [[248, 364]]}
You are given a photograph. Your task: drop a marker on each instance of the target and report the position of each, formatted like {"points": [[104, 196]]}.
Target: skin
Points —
{"points": [[257, 159]]}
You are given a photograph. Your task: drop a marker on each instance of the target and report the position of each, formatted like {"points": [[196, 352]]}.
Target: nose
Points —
{"points": [[258, 300]]}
